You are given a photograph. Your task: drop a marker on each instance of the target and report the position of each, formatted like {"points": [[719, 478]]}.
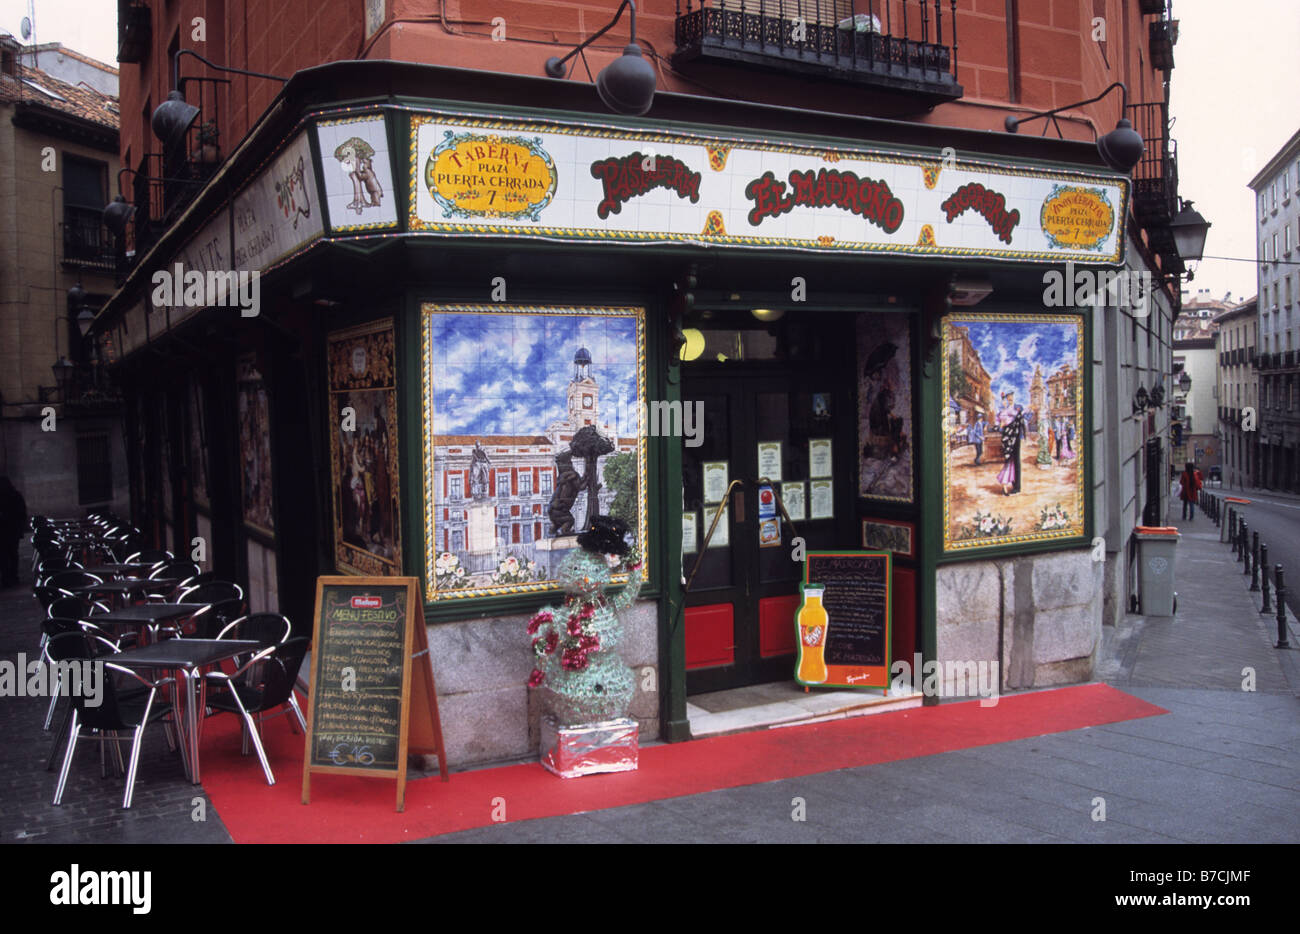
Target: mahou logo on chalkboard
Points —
{"points": [[366, 603]]}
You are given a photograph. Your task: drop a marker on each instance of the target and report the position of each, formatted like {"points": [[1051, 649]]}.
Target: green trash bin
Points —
{"points": [[1156, 548]]}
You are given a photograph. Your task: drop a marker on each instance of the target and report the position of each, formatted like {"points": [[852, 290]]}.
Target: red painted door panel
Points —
{"points": [[710, 636], [776, 625]]}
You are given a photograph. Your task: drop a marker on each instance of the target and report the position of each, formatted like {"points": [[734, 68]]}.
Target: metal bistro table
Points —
{"points": [[124, 588], [186, 659], [147, 615]]}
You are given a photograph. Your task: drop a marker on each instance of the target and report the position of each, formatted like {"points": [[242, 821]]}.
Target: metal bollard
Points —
{"points": [[1263, 574], [1245, 547], [1282, 642], [1232, 528], [1254, 562]]}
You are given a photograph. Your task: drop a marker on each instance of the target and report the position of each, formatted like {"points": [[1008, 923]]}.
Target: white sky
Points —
{"points": [[1234, 98]]}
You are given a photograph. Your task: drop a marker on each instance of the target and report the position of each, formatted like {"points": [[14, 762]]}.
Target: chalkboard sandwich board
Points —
{"points": [[371, 700], [851, 649]]}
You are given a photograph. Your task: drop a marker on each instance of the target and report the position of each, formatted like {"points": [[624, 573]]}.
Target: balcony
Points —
{"points": [[889, 45], [134, 31], [86, 243], [1162, 34]]}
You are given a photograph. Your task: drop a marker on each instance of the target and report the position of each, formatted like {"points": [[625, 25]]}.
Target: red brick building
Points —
{"points": [[786, 233]]}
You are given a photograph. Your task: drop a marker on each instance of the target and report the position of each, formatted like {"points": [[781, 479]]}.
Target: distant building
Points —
{"points": [[58, 164], [1237, 393], [1277, 192]]}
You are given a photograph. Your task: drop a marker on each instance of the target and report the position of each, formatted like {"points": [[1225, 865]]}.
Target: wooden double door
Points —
{"points": [[761, 422]]}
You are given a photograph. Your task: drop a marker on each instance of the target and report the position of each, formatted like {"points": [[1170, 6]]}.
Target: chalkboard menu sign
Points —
{"points": [[856, 599], [361, 719]]}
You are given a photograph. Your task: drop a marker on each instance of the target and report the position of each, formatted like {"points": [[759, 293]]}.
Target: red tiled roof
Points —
{"points": [[77, 100]]}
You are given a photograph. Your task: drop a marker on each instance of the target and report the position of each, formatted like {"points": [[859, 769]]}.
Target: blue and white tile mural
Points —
{"points": [[530, 429]]}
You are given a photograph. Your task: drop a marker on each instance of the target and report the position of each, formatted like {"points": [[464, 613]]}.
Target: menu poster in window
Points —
{"points": [[792, 494], [820, 499], [857, 602], [769, 460], [363, 718], [819, 457], [715, 481], [690, 523], [721, 534]]}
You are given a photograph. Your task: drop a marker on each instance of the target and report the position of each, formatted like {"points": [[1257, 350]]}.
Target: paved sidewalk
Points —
{"points": [[1222, 766]]}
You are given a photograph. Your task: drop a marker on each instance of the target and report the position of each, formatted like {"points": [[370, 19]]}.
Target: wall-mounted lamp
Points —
{"points": [[626, 85], [1121, 148], [694, 345], [1185, 382], [1140, 400], [768, 314], [171, 121]]}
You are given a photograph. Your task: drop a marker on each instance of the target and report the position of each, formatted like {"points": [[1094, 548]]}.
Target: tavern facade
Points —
{"points": [[842, 291]]}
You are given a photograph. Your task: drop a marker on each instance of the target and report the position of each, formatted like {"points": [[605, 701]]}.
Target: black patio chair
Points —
{"points": [[180, 570], [148, 556], [66, 580], [213, 618], [115, 712], [263, 683], [210, 592]]}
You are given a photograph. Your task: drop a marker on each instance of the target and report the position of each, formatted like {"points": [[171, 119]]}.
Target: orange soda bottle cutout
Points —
{"points": [[812, 622]]}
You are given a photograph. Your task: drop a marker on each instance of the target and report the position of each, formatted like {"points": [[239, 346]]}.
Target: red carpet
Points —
{"points": [[346, 809]]}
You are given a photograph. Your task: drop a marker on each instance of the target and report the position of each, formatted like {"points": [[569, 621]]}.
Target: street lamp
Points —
{"points": [[1185, 382], [1190, 230], [63, 376], [172, 120]]}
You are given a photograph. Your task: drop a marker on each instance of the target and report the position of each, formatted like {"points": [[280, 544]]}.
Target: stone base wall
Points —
{"points": [[481, 670], [1038, 616]]}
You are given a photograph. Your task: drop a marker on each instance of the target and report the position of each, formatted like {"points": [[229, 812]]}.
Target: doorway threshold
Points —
{"points": [[785, 703]]}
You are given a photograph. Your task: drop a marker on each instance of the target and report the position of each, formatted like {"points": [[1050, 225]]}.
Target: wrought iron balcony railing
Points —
{"points": [[85, 241], [907, 47]]}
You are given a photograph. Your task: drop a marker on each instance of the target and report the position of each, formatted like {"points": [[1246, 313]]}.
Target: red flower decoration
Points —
{"points": [[536, 622], [589, 643], [552, 640], [575, 626], [535, 678]]}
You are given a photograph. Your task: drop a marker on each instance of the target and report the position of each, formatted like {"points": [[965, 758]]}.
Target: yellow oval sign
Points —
{"points": [[484, 175], [1077, 218]]}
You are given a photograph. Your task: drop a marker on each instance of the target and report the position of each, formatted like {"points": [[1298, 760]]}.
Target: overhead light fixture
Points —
{"points": [[63, 376], [969, 290], [174, 116], [694, 345], [626, 85], [1121, 148], [768, 314], [1190, 231]]}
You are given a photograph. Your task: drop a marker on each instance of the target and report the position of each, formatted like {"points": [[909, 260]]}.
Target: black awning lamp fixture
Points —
{"points": [[626, 85], [119, 211], [1185, 382], [63, 376], [171, 121], [1121, 148], [1140, 400]]}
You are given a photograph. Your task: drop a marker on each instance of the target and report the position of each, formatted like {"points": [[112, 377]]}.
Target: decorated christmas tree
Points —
{"points": [[579, 672]]}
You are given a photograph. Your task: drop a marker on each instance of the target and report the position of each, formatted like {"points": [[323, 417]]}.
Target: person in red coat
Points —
{"points": [[1190, 481]]}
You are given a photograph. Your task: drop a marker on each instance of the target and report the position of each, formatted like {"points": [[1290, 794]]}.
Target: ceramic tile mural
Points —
{"points": [[366, 493], [530, 427], [885, 407], [358, 173], [1014, 443]]}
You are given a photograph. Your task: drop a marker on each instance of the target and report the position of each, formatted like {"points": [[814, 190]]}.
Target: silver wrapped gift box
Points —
{"points": [[589, 748]]}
